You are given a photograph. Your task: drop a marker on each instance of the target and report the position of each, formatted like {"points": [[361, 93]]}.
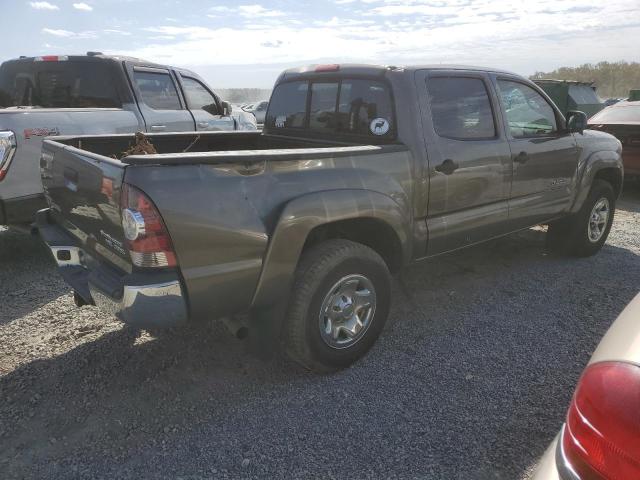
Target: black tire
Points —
{"points": [[321, 268], [570, 236]]}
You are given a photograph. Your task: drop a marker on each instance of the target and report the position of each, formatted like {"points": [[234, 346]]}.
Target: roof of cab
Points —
{"points": [[91, 57], [374, 70]]}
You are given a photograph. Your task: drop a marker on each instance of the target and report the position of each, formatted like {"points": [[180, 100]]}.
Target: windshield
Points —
{"points": [[351, 107], [63, 84], [618, 113]]}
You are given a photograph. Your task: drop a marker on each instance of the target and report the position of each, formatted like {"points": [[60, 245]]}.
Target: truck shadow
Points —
{"points": [[27, 275], [478, 361], [630, 199]]}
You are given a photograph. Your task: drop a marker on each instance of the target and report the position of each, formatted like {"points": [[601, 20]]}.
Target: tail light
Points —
{"points": [[145, 232], [52, 58], [327, 68], [7, 151], [601, 439]]}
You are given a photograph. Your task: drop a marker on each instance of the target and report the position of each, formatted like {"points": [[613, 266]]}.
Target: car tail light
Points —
{"points": [[601, 438], [145, 232], [7, 151]]}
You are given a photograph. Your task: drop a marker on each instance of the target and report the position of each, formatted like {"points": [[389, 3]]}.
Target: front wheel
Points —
{"points": [[339, 305], [584, 233]]}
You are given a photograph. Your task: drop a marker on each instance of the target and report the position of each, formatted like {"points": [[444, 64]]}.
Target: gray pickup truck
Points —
{"points": [[360, 170], [92, 94]]}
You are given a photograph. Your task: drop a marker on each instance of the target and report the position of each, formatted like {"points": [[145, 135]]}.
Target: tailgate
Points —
{"points": [[83, 190]]}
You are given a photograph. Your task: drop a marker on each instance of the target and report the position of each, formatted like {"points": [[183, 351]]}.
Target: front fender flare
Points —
{"points": [[302, 215], [596, 162]]}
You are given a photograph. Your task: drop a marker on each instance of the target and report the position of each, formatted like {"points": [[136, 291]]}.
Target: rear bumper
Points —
{"points": [[139, 299], [21, 210]]}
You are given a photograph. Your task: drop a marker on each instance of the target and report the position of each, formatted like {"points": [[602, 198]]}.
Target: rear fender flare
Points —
{"points": [[302, 215]]}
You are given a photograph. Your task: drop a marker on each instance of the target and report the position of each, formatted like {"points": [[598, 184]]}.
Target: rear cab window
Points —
{"points": [[341, 108], [58, 84], [157, 90], [461, 108]]}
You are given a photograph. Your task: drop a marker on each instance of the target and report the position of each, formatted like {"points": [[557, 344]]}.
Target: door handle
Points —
{"points": [[158, 128], [203, 124], [447, 167], [522, 157]]}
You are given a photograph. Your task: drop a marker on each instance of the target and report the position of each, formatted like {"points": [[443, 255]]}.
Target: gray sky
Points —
{"points": [[246, 44]]}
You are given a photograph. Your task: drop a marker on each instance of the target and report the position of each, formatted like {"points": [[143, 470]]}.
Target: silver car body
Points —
{"points": [[21, 193]]}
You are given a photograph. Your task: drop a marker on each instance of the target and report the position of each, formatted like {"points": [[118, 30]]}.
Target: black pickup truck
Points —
{"points": [[360, 170]]}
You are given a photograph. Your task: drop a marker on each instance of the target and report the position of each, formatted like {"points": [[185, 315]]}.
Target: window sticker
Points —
{"points": [[379, 126], [281, 121]]}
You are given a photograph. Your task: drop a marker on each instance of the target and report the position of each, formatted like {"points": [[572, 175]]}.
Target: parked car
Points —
{"points": [[258, 110], [612, 101], [623, 121], [572, 95], [359, 171], [601, 436], [93, 93]]}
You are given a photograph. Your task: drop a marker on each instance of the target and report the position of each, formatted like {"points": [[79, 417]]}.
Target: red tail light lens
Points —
{"points": [[602, 436], [327, 68], [146, 234], [52, 58]]}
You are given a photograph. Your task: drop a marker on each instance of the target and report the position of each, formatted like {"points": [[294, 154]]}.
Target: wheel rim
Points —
{"points": [[347, 311], [598, 220]]}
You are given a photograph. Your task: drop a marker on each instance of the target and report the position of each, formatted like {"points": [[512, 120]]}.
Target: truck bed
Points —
{"points": [[209, 148]]}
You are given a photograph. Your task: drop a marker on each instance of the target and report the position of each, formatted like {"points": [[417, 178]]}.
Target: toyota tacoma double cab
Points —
{"points": [[97, 94], [359, 171]]}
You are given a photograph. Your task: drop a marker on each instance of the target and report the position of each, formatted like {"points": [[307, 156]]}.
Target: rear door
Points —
{"points": [[204, 106], [544, 153], [469, 159], [160, 102]]}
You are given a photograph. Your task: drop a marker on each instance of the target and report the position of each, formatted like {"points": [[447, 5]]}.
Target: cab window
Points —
{"points": [[157, 90], [347, 107], [461, 108], [288, 106], [198, 97], [528, 114]]}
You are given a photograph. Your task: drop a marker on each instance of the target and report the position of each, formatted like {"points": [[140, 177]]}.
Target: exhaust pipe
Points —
{"points": [[237, 327]]}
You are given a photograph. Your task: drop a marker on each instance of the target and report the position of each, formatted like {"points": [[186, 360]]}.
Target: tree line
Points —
{"points": [[612, 79]]}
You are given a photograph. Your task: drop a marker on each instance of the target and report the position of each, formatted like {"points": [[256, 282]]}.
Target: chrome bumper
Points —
{"points": [[147, 305], [157, 305]]}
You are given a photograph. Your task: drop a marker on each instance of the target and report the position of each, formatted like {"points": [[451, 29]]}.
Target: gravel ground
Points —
{"points": [[470, 379]]}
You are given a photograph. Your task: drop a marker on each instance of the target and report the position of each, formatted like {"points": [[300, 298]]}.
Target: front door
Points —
{"points": [[469, 159], [544, 153], [160, 103], [204, 106]]}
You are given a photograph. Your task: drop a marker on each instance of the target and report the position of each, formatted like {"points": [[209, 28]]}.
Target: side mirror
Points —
{"points": [[226, 109], [576, 121]]}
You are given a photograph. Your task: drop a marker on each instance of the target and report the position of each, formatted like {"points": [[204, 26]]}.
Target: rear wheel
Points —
{"points": [[584, 233], [339, 305]]}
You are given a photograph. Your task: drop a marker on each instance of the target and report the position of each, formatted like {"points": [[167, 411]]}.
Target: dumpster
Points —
{"points": [[572, 95]]}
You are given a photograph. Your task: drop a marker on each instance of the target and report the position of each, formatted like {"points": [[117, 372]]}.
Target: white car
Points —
{"points": [[601, 435], [258, 109]]}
